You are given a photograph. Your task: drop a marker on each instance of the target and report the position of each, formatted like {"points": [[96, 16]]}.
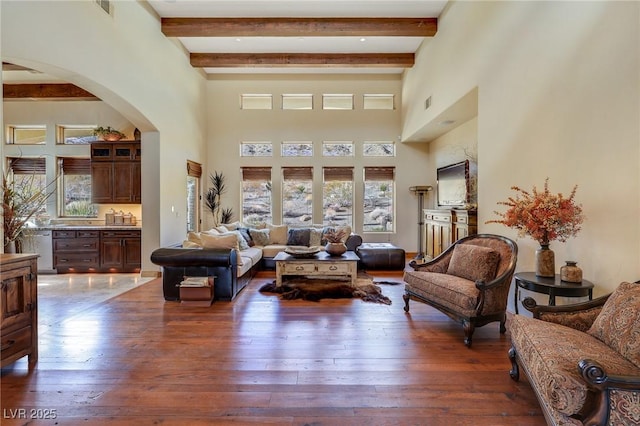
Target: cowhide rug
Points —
{"points": [[315, 289]]}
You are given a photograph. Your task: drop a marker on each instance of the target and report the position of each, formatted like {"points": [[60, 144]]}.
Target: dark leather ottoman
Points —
{"points": [[381, 256]]}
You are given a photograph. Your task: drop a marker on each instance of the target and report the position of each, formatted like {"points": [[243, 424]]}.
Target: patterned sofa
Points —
{"points": [[582, 360]]}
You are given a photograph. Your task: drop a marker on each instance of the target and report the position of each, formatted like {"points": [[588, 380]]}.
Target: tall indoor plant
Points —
{"points": [[213, 199], [545, 217], [21, 200]]}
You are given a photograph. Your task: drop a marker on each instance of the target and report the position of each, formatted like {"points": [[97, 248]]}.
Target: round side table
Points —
{"points": [[551, 286]]}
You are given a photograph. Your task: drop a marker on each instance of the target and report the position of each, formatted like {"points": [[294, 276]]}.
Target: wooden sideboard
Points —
{"points": [[444, 227], [19, 308]]}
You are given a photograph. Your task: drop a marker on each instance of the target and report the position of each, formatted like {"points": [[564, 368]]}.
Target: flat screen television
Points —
{"points": [[453, 185]]}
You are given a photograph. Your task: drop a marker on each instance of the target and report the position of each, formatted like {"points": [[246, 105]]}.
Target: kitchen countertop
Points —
{"points": [[89, 227]]}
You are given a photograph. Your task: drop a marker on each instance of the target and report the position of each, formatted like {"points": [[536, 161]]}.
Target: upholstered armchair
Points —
{"points": [[469, 281]]}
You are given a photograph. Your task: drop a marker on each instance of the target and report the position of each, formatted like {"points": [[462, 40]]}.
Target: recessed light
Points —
{"points": [[446, 122], [238, 39], [363, 39]]}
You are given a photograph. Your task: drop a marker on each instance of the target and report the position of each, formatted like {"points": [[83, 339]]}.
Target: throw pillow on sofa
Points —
{"points": [[299, 237], [474, 262], [278, 234], [242, 243], [315, 237], [229, 241], [260, 236], [618, 324], [247, 236]]}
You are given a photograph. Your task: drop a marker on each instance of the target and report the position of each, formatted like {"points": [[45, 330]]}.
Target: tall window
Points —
{"points": [[256, 195], [297, 199], [337, 196], [194, 173], [28, 177], [75, 196], [379, 194]]}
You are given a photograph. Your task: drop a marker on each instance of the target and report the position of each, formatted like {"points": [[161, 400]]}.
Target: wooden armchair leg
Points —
{"points": [[469, 328], [406, 298]]}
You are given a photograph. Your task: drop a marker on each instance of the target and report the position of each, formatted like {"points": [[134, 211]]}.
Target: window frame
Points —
{"points": [[379, 174], [74, 168], [11, 133], [299, 174], [336, 174], [256, 174]]}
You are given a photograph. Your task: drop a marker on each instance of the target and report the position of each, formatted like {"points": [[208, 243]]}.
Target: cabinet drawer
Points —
{"points": [[63, 234], [121, 234], [82, 260], [333, 267], [69, 245], [299, 267], [442, 218], [463, 219], [16, 342], [87, 234]]}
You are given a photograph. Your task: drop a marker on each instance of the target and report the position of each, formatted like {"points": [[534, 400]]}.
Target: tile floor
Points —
{"points": [[64, 295]]}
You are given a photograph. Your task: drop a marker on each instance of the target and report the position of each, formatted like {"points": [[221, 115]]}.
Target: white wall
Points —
{"points": [[124, 59], [229, 125], [558, 86]]}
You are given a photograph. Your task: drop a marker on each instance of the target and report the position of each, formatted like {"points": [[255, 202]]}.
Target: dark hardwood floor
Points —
{"points": [[137, 359]]}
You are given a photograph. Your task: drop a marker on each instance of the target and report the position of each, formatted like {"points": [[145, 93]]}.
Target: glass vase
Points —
{"points": [[570, 272], [545, 262]]}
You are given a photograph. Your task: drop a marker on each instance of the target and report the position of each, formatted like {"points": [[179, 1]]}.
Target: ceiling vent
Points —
{"points": [[104, 5], [427, 103]]}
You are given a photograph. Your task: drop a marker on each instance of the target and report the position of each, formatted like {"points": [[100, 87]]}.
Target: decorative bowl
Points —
{"points": [[302, 252]]}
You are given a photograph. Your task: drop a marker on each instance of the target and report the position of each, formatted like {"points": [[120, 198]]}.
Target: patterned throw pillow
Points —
{"points": [[278, 234], [315, 237], [259, 236], [474, 262], [299, 237], [247, 236], [618, 324]]}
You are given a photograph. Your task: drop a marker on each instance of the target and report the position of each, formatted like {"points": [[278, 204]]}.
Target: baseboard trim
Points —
{"points": [[150, 274]]}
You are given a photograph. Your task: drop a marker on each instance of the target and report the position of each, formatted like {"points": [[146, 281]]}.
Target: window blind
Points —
{"points": [[75, 166], [256, 173], [28, 166], [297, 173], [379, 173], [337, 173], [194, 169]]}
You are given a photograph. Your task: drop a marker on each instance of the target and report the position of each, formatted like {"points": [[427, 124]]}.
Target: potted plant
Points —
{"points": [[21, 200], [108, 133], [335, 245], [213, 199]]}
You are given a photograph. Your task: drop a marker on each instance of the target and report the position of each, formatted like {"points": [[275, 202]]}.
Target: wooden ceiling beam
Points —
{"points": [[299, 27], [46, 91], [237, 60]]}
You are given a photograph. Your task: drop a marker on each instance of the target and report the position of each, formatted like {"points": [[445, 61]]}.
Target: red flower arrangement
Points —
{"points": [[543, 216]]}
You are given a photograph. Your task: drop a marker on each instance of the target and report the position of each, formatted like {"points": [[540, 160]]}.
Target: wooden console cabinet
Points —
{"points": [[444, 227], [115, 172], [18, 308]]}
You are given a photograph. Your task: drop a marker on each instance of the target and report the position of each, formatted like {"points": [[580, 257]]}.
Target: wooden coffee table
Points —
{"points": [[320, 264]]}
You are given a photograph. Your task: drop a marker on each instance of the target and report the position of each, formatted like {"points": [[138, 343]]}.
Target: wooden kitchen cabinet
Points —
{"points": [[18, 308], [444, 227], [116, 172], [121, 251], [76, 250], [97, 250]]}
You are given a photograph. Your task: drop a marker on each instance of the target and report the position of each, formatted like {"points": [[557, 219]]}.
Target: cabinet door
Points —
{"points": [[111, 253], [132, 253], [16, 299], [136, 183], [122, 182], [101, 182]]}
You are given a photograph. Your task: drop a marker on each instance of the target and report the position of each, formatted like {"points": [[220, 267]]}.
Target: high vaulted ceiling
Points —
{"points": [[300, 36]]}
